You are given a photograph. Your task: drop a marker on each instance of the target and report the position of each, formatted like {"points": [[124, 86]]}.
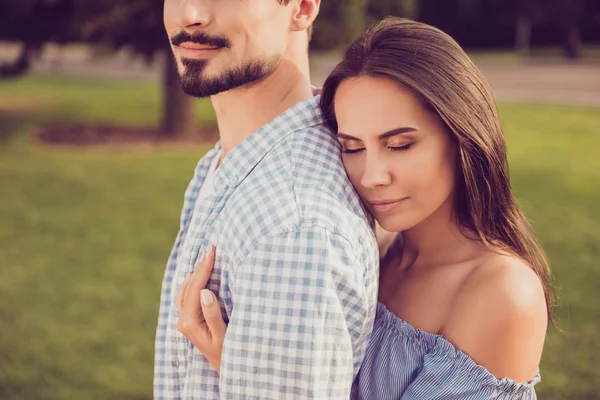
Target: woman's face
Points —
{"points": [[399, 156]]}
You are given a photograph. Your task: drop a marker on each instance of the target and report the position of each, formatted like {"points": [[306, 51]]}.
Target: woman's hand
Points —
{"points": [[200, 318]]}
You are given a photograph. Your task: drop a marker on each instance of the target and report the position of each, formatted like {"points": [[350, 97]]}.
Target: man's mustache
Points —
{"points": [[200, 38]]}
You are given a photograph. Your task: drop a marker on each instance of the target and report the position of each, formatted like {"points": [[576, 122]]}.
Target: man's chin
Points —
{"points": [[193, 78], [202, 86], [208, 88], [199, 92], [197, 83]]}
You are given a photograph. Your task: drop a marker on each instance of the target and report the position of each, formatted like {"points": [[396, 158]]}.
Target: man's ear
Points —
{"points": [[304, 14]]}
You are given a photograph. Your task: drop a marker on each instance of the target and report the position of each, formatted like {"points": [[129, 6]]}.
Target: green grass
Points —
{"points": [[66, 100], [555, 173], [85, 235]]}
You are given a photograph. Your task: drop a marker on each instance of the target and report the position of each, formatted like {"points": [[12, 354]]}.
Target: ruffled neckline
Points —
{"points": [[438, 346]]}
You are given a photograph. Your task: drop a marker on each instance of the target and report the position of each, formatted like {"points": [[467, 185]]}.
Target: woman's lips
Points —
{"points": [[386, 206]]}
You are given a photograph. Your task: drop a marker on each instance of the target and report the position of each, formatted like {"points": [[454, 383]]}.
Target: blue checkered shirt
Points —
{"points": [[296, 269]]}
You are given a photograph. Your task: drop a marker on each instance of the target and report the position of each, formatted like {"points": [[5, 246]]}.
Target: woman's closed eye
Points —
{"points": [[400, 148], [357, 149], [352, 146], [352, 150]]}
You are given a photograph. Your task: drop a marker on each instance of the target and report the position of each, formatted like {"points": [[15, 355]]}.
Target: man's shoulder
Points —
{"points": [[300, 182], [306, 170], [312, 159]]}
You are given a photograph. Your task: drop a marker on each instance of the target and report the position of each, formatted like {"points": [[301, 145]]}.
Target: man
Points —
{"points": [[296, 259]]}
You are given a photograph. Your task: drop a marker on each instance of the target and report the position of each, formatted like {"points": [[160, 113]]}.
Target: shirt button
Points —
{"points": [[234, 180]]}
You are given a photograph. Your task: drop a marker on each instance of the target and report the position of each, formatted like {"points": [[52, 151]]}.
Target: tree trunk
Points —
{"points": [[523, 35], [411, 9], [572, 45], [353, 18], [178, 118], [21, 65]]}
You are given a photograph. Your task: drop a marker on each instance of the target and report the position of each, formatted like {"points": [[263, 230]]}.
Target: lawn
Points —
{"points": [[73, 100], [85, 235]]}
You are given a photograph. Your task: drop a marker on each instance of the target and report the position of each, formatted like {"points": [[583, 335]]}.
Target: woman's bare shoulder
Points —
{"points": [[500, 317]]}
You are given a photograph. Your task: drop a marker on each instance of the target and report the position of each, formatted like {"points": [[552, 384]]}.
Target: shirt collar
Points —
{"points": [[244, 157]]}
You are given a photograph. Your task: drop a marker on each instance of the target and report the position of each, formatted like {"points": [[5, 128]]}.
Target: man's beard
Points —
{"points": [[195, 84]]}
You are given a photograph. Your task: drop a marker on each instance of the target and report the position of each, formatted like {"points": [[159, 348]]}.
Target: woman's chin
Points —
{"points": [[394, 223]]}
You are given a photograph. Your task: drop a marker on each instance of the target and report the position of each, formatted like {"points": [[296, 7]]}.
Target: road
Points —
{"points": [[557, 82]]}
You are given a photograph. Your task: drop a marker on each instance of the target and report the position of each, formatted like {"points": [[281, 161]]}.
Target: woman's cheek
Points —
{"points": [[353, 168], [433, 182]]}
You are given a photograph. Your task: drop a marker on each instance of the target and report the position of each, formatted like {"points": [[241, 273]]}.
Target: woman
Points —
{"points": [[465, 295]]}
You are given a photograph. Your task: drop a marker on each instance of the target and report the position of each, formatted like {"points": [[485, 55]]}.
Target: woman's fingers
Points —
{"points": [[200, 317], [181, 294], [212, 316], [192, 309], [205, 266], [203, 270]]}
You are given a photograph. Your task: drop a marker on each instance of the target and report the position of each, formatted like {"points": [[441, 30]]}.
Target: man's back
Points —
{"points": [[296, 269]]}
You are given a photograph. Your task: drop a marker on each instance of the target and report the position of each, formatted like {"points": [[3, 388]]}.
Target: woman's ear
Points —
{"points": [[305, 13]]}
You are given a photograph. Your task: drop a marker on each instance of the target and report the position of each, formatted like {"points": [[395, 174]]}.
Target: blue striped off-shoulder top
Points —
{"points": [[405, 363]]}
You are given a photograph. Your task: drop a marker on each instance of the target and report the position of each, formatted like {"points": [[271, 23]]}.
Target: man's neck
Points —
{"points": [[241, 112]]}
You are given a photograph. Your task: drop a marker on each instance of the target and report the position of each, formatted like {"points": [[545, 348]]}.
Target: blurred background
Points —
{"points": [[97, 144]]}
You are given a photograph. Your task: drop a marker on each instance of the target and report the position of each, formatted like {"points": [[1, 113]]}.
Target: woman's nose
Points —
{"points": [[376, 173]]}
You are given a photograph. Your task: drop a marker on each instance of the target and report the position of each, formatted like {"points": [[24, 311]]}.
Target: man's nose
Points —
{"points": [[193, 14]]}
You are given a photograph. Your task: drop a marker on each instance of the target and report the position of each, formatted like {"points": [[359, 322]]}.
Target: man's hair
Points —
{"points": [[309, 31]]}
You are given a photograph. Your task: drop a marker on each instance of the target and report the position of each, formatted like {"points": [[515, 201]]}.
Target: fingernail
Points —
{"points": [[207, 297]]}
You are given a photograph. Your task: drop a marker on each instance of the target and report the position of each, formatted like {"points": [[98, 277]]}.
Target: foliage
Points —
{"points": [[136, 23], [38, 21]]}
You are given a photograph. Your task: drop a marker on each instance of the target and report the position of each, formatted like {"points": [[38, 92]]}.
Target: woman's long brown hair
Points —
{"points": [[437, 70]]}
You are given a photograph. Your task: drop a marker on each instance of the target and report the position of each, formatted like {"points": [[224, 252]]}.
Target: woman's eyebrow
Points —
{"points": [[385, 135]]}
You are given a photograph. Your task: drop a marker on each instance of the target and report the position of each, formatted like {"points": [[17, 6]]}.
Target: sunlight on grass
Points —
{"points": [[93, 101]]}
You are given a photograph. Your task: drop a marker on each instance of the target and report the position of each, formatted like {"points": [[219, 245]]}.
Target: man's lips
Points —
{"points": [[385, 206], [195, 50]]}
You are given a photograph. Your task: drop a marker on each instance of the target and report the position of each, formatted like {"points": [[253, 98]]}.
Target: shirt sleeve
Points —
{"points": [[160, 353], [450, 374], [301, 316]]}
